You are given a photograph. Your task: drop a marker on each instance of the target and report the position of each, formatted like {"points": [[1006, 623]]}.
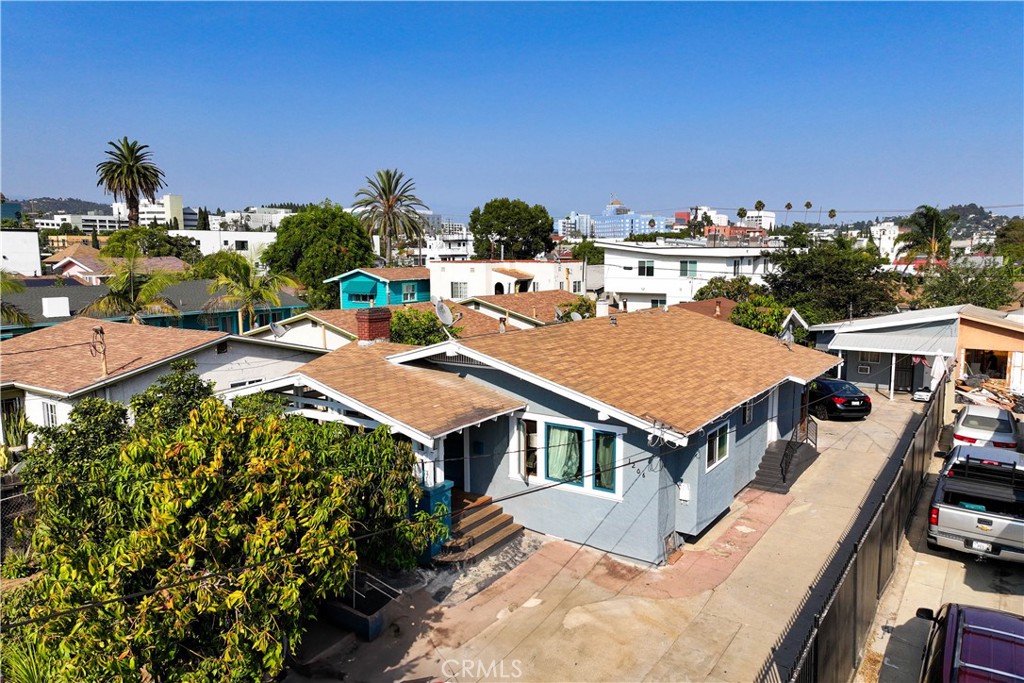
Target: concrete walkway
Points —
{"points": [[571, 613]]}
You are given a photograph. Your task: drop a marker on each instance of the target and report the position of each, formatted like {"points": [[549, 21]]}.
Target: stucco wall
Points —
{"points": [[303, 333], [975, 335]]}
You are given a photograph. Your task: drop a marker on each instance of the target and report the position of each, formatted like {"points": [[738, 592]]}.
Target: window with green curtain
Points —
{"points": [[564, 454], [718, 446], [604, 461]]}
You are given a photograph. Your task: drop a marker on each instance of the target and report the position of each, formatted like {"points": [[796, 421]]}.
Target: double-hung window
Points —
{"points": [[687, 269], [604, 461], [564, 454], [460, 290], [718, 446], [408, 292], [577, 286], [645, 268], [49, 414]]}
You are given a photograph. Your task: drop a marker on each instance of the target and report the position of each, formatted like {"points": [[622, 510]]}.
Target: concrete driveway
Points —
{"points": [[571, 613]]}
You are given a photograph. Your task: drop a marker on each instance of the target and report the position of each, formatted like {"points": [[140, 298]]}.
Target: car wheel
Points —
{"points": [[932, 545], [821, 412]]}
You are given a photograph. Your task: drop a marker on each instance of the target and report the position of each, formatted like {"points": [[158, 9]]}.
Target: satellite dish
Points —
{"points": [[277, 329], [558, 314], [575, 316], [444, 314]]}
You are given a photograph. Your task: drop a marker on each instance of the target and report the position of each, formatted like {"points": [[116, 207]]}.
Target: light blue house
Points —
{"points": [[629, 433], [370, 287]]}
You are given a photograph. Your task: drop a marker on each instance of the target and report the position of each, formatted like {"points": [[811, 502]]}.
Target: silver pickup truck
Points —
{"points": [[978, 505]]}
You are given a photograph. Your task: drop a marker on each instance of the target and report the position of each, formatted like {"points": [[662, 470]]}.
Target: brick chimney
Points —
{"points": [[373, 325]]}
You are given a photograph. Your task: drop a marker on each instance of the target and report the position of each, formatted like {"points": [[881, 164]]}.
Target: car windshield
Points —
{"points": [[839, 389], [998, 425]]}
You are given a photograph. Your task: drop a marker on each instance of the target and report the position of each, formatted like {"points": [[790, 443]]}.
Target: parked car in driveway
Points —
{"points": [[978, 505], [985, 426], [972, 644], [831, 398]]}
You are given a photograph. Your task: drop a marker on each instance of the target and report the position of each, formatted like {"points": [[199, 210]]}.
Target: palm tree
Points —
{"points": [[9, 313], [832, 215], [133, 293], [789, 207], [129, 173], [240, 283], [929, 234], [741, 213], [807, 207], [389, 209], [759, 206]]}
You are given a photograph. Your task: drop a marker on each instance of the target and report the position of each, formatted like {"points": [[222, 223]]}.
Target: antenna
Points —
{"points": [[277, 329]]}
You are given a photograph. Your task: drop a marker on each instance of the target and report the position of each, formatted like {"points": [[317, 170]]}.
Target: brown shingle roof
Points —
{"points": [[73, 251], [678, 367], [708, 307], [59, 359], [389, 274], [473, 323], [537, 305], [92, 259], [430, 401]]}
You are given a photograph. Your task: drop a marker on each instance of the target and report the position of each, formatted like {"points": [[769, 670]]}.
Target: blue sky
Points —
{"points": [[858, 107]]}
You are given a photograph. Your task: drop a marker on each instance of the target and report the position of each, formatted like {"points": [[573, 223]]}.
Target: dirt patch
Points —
{"points": [[870, 667]]}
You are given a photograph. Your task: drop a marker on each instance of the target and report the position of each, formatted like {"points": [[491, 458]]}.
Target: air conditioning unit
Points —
{"points": [[533, 440]]}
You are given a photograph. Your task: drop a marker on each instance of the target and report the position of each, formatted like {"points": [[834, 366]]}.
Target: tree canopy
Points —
{"points": [[523, 230], [133, 292], [209, 267], [930, 234], [989, 285], [149, 241], [420, 328], [389, 208], [588, 251], [1010, 241], [761, 313], [738, 289], [829, 281], [317, 244], [202, 545], [129, 173]]}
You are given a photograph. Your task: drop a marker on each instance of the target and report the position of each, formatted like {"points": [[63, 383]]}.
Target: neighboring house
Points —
{"points": [[522, 311], [374, 287], [628, 433], [461, 279], [19, 251], [648, 274], [48, 306], [716, 308], [332, 329], [452, 242], [86, 263], [47, 372], [886, 352], [248, 243]]}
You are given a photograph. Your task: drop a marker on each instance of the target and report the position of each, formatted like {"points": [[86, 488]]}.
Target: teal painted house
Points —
{"points": [[191, 298], [370, 287]]}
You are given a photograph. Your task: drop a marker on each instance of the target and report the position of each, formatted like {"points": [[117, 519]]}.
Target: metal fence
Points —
{"points": [[824, 640], [17, 507]]}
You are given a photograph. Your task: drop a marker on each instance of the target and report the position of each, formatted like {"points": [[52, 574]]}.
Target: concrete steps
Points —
{"points": [[478, 528], [769, 474]]}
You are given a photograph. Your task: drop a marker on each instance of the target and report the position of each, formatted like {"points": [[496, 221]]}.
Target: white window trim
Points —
{"points": [[49, 414], [707, 447], [408, 292], [587, 489]]}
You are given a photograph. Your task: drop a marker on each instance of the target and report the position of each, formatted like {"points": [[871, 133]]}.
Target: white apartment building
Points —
{"points": [[19, 252], [458, 280], [84, 222], [765, 220], [575, 223], [164, 211], [648, 274], [719, 219], [245, 242], [452, 242]]}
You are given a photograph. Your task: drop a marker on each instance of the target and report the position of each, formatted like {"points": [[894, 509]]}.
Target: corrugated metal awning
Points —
{"points": [[894, 343], [360, 287]]}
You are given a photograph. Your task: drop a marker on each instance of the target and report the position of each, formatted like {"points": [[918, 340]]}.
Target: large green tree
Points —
{"points": [[510, 225], [129, 173], [420, 328], [829, 281], [316, 244], [388, 207], [761, 313], [589, 252], [1010, 241], [737, 289], [930, 234], [989, 285], [198, 551], [151, 241], [209, 267], [243, 285], [133, 292]]}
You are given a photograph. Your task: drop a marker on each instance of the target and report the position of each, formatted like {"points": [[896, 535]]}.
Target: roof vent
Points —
{"points": [[56, 307]]}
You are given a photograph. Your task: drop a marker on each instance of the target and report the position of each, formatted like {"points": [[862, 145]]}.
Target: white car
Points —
{"points": [[985, 426]]}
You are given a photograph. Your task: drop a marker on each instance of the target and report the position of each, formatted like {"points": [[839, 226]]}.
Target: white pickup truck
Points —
{"points": [[978, 506]]}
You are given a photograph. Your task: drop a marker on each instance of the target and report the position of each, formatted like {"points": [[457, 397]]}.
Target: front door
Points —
{"points": [[455, 459], [904, 373]]}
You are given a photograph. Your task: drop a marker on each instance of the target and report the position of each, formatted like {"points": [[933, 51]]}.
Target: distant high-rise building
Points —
{"points": [[618, 221]]}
